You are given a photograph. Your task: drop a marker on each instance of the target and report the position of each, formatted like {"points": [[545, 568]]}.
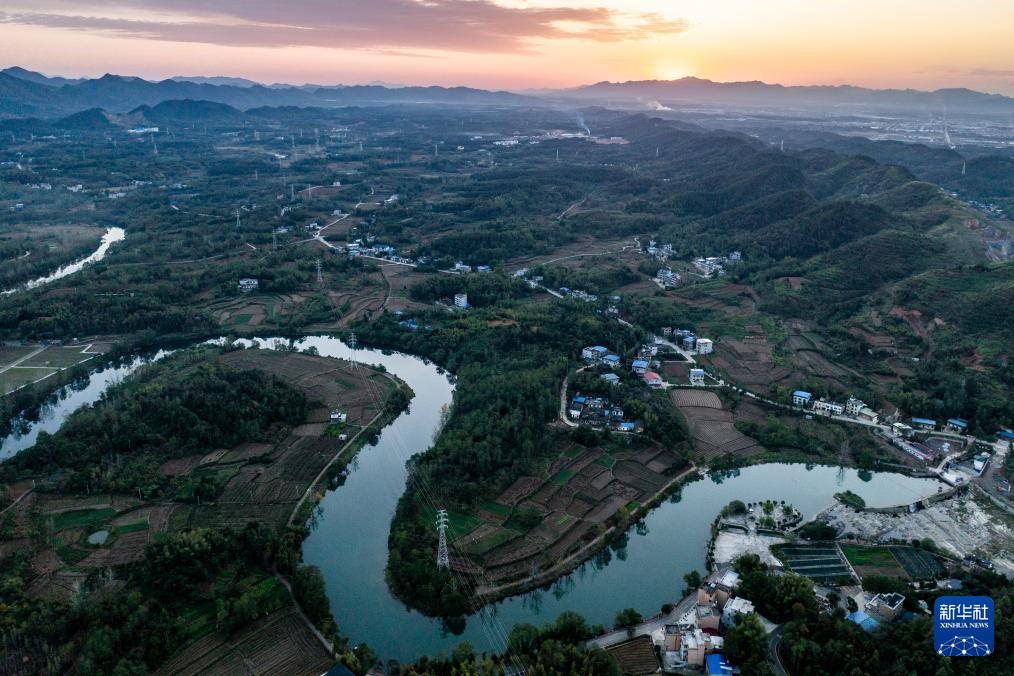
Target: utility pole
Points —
{"points": [[443, 558]]}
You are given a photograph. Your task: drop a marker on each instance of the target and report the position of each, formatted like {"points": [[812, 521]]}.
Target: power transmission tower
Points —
{"points": [[237, 218], [274, 240], [443, 558], [320, 277]]}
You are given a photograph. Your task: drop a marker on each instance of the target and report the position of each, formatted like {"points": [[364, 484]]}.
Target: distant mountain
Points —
{"points": [[694, 90], [188, 111], [93, 119], [21, 97], [38, 78], [216, 80]]}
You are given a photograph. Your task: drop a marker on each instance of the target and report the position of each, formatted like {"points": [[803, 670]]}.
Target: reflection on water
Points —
{"points": [[644, 569], [112, 236]]}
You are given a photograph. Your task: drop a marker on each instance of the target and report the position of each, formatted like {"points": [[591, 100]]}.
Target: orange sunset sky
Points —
{"points": [[517, 44]]}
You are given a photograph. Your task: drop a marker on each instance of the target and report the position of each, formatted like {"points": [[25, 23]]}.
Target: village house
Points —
{"points": [[689, 341], [902, 430], [247, 284], [734, 606], [697, 377], [652, 380], [925, 424], [611, 360], [885, 607], [666, 278], [461, 300], [594, 353], [704, 346], [461, 267], [958, 425], [801, 398], [828, 407], [611, 378], [687, 645], [639, 366], [338, 417]]}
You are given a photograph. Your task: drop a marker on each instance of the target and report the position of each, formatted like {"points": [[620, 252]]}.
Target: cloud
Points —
{"points": [[450, 25]]}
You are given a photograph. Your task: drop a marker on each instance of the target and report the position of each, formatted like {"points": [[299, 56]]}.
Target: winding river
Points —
{"points": [[112, 236], [349, 533]]}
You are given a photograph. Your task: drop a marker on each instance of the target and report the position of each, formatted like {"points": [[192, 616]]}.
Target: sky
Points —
{"points": [[520, 44]]}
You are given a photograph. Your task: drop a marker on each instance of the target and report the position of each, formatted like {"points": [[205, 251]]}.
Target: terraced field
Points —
{"points": [[712, 429], [538, 520]]}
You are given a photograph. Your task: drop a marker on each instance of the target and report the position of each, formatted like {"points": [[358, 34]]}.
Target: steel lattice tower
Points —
{"points": [[443, 558]]}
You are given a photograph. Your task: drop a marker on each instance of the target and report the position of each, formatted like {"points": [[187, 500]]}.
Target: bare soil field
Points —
{"points": [[749, 362], [712, 429], [577, 492], [279, 643]]}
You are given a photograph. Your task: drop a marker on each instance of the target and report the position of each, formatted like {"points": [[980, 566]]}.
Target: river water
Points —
{"points": [[348, 540], [112, 236]]}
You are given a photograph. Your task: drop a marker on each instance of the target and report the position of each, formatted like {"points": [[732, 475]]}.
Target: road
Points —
{"points": [[773, 657], [563, 400], [647, 627]]}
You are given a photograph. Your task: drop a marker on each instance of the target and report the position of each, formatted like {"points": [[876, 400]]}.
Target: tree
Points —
{"points": [[693, 580], [746, 645], [628, 617]]}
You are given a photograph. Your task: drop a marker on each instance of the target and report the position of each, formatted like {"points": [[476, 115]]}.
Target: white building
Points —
{"points": [[733, 606], [461, 300], [828, 407], [705, 346], [246, 285], [696, 376], [461, 267], [853, 406], [666, 278]]}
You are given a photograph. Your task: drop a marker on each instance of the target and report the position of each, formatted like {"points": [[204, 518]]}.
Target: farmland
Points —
{"points": [[21, 365], [72, 536], [540, 520], [712, 427]]}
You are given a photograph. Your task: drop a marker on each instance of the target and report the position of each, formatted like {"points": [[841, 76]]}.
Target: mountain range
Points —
{"points": [[25, 93]]}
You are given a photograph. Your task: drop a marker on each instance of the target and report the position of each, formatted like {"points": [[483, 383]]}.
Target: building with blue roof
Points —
{"points": [[957, 424], [801, 398], [611, 360], [580, 400], [715, 664], [1005, 434], [865, 622], [611, 378], [639, 366], [924, 423]]}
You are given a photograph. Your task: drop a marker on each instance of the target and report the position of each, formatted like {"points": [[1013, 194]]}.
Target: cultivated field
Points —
{"points": [[263, 481], [539, 520], [24, 364], [712, 429]]}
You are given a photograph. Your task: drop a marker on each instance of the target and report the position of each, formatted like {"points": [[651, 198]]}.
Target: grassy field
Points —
{"points": [[58, 357], [82, 517], [14, 378]]}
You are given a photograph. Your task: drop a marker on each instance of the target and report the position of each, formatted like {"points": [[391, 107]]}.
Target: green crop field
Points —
{"points": [[82, 517]]}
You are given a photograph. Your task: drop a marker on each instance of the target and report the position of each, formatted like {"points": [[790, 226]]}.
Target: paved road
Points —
{"points": [[647, 627], [773, 657]]}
